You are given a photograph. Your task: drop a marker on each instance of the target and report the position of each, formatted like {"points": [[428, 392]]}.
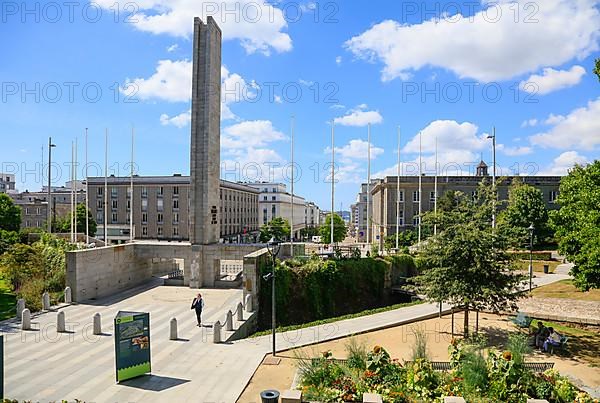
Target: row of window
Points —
{"points": [[552, 195], [160, 191]]}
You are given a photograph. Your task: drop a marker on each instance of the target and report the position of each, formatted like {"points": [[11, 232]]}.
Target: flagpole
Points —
{"points": [[435, 188], [131, 188], [87, 193], [292, 188], [420, 186], [398, 195], [72, 158], [75, 190], [106, 188], [368, 183], [332, 178]]}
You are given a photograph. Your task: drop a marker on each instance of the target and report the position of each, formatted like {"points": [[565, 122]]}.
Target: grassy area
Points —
{"points": [[338, 318], [583, 343], [566, 289], [8, 301], [538, 265]]}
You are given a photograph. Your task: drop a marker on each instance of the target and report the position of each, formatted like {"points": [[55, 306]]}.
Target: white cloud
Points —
{"points": [[514, 151], [359, 117], [356, 149], [553, 119], [306, 83], [258, 26], [564, 162], [181, 120], [451, 136], [579, 130], [278, 99], [552, 80], [529, 123], [172, 48], [250, 134], [171, 82], [338, 60], [338, 106], [484, 47]]}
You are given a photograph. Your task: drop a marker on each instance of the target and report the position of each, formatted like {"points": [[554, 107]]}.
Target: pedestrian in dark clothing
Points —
{"points": [[197, 305]]}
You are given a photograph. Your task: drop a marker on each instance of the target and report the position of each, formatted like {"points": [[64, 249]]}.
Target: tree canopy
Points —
{"points": [[466, 264], [63, 225], [277, 228], [10, 215], [339, 229], [526, 206], [577, 223], [597, 69]]}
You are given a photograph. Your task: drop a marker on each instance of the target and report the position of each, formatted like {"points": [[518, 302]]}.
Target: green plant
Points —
{"points": [[473, 370], [31, 292], [518, 345], [419, 347], [357, 354], [422, 380]]}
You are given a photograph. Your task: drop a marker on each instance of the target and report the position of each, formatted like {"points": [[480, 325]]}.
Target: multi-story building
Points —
{"points": [[385, 196], [274, 201], [7, 183], [161, 206], [359, 220]]}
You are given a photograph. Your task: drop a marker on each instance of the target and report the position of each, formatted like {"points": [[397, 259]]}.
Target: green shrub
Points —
{"points": [[419, 348], [535, 255], [357, 354], [403, 266], [31, 291]]}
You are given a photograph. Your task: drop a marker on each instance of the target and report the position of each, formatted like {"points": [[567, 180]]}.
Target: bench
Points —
{"points": [[522, 320], [561, 346]]}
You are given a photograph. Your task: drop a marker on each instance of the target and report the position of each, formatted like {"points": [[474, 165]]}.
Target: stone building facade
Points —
{"points": [[7, 183]]}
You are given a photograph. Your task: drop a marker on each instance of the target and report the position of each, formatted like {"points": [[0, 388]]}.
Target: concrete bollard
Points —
{"points": [[229, 322], [173, 329], [217, 332], [26, 319], [68, 295], [97, 324], [291, 396], [46, 301], [372, 398], [61, 326], [454, 399], [20, 307], [240, 312], [536, 401], [249, 307]]}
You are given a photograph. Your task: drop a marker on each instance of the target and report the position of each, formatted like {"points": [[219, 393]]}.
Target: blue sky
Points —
{"points": [[448, 69]]}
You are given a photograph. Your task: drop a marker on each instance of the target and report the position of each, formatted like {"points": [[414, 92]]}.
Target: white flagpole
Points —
{"points": [[72, 158], [131, 188], [398, 194], [106, 188], [87, 196], [75, 189], [332, 179], [368, 183], [420, 185], [292, 188], [435, 188]]}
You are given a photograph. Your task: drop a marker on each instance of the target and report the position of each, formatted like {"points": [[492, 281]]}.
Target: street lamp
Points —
{"points": [[273, 247], [531, 229], [49, 209]]}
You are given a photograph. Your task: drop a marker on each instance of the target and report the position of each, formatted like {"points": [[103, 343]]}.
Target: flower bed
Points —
{"points": [[478, 375]]}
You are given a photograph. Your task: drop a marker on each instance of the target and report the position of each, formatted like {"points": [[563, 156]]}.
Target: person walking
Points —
{"points": [[197, 305]]}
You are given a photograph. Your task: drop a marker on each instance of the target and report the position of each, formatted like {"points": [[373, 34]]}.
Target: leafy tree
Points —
{"points": [[526, 206], [448, 201], [21, 263], [597, 69], [466, 264], [339, 229], [63, 225], [405, 238], [577, 223], [10, 215], [7, 239], [277, 228], [309, 232]]}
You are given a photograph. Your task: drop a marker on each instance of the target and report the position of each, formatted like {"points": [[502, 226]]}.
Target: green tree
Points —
{"points": [[525, 206], [339, 229], [597, 69], [20, 264], [577, 223], [448, 201], [405, 238], [10, 215], [63, 225], [309, 232], [466, 264], [7, 239], [277, 228]]}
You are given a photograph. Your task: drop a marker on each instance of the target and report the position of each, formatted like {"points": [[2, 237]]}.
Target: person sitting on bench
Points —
{"points": [[540, 335], [552, 340]]}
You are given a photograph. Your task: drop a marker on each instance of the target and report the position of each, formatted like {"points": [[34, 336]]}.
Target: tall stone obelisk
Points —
{"points": [[206, 133]]}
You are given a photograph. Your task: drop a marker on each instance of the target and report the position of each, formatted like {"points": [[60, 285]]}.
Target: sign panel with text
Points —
{"points": [[132, 344]]}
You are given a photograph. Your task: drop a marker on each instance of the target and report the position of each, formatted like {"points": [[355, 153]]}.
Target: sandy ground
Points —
{"points": [[398, 341]]}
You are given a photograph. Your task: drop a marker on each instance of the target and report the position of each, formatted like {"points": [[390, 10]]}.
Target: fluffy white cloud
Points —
{"points": [[181, 120], [485, 47], [250, 134], [258, 26], [451, 136], [338, 60], [514, 151], [359, 117], [172, 48], [552, 80], [579, 130], [564, 162], [529, 123], [356, 149]]}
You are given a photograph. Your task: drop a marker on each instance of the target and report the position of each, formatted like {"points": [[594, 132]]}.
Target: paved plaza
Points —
{"points": [[42, 365]]}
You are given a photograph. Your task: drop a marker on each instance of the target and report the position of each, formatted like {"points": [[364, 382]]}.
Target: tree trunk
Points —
{"points": [[466, 323]]}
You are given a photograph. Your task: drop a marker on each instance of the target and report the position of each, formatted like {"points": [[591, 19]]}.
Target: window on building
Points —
{"points": [[401, 195], [38, 211], [175, 218], [265, 218], [128, 204], [432, 196], [27, 211], [552, 195], [159, 231], [145, 218], [27, 224], [160, 204], [144, 191], [175, 190], [274, 190], [265, 198], [114, 191], [114, 217], [129, 191], [416, 220], [175, 231], [175, 204], [273, 211], [144, 205], [144, 231], [99, 217], [160, 191], [100, 191], [416, 196], [159, 218], [273, 198], [114, 204]]}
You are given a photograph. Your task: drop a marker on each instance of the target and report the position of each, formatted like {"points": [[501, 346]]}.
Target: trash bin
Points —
{"points": [[546, 268], [269, 396]]}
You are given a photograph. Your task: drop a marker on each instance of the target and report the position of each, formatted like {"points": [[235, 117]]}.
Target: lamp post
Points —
{"points": [[49, 209], [531, 230], [273, 247], [493, 137]]}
